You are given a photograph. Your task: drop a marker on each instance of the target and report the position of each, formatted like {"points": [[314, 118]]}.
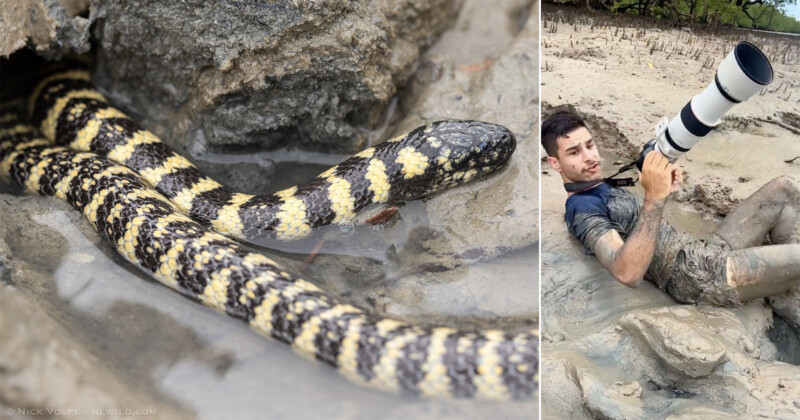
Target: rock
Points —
{"points": [[670, 334], [260, 73], [52, 27], [44, 365]]}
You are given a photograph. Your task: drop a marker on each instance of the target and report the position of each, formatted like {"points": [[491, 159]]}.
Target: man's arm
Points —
{"points": [[628, 261]]}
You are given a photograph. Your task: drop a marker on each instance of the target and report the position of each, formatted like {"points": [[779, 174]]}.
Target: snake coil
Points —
{"points": [[156, 209]]}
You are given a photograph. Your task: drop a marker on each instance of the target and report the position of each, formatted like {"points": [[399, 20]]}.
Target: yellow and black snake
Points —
{"points": [[158, 211]]}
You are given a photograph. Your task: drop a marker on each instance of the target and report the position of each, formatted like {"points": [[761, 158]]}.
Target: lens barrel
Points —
{"points": [[742, 74]]}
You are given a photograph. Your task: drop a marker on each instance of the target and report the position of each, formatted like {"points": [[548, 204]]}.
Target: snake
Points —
{"points": [[183, 229], [67, 109]]}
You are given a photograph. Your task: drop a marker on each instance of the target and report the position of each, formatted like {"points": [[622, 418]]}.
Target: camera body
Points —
{"points": [[744, 72]]}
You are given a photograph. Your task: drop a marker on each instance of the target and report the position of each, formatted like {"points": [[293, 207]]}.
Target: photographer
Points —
{"points": [[633, 242]]}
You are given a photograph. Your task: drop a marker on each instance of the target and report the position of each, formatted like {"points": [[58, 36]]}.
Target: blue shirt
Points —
{"points": [[593, 212]]}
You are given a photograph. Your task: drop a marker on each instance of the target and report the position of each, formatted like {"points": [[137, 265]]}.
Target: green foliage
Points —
{"points": [[768, 18], [761, 14]]}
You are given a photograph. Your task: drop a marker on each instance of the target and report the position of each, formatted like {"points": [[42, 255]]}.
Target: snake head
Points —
{"points": [[455, 152], [473, 145]]}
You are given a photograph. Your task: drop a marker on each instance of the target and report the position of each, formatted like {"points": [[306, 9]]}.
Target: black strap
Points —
{"points": [[576, 187]]}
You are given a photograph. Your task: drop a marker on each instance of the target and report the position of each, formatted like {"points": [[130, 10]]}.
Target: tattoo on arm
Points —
{"points": [[649, 221], [628, 260]]}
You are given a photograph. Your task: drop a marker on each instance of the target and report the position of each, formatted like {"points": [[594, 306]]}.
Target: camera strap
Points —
{"points": [[576, 187]]}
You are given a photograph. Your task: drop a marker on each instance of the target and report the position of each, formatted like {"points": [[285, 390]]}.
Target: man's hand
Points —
{"points": [[659, 177], [628, 260], [677, 179]]}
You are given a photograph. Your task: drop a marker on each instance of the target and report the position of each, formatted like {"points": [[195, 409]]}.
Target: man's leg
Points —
{"points": [[763, 271], [756, 271], [772, 210]]}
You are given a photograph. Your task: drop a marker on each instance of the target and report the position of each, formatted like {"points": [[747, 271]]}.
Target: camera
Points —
{"points": [[743, 73]]}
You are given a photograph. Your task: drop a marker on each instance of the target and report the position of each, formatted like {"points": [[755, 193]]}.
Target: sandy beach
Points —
{"points": [[613, 352]]}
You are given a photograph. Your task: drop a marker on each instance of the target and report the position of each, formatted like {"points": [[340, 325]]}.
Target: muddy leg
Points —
{"points": [[768, 271], [772, 210], [764, 270], [781, 225]]}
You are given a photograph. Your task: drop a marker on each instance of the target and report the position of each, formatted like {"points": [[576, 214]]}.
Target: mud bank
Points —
{"points": [[614, 352]]}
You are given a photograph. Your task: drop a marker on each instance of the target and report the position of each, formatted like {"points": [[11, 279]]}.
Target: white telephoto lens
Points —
{"points": [[681, 139], [709, 106], [744, 72]]}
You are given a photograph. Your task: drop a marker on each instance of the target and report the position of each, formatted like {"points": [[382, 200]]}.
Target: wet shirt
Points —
{"points": [[592, 213]]}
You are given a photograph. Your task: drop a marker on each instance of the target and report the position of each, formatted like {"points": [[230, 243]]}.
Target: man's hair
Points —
{"points": [[558, 125]]}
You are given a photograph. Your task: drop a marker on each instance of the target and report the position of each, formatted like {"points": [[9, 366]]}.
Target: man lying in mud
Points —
{"points": [[631, 239]]}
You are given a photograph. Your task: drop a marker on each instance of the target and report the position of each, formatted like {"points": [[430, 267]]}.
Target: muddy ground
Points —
{"points": [[614, 352]]}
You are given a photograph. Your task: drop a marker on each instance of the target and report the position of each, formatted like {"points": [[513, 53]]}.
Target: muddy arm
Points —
{"points": [[628, 261]]}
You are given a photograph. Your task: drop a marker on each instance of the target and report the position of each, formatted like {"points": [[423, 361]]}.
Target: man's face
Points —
{"points": [[578, 159]]}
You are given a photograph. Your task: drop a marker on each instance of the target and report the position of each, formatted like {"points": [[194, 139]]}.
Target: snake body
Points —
{"points": [[158, 211], [67, 109]]}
